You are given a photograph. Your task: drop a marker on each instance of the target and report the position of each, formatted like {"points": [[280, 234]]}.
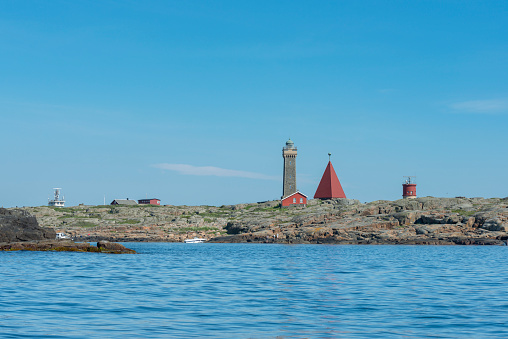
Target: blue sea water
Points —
{"points": [[257, 291]]}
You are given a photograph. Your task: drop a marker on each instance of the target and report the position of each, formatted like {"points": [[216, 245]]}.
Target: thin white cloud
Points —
{"points": [[213, 171], [481, 106]]}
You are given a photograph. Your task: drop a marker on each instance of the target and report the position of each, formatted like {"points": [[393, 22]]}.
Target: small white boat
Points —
{"points": [[194, 241], [61, 235]]}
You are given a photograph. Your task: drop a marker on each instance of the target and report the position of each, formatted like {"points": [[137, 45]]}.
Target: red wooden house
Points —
{"points": [[296, 198], [149, 201]]}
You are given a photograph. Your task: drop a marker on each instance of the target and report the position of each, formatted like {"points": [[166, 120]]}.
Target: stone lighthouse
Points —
{"points": [[289, 180]]}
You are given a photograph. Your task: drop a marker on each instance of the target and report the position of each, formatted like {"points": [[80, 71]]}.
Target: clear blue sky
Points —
{"points": [[192, 101]]}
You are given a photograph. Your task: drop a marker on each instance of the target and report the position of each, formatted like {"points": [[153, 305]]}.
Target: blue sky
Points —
{"points": [[192, 101]]}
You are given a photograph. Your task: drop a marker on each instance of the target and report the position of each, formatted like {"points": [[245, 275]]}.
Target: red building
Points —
{"points": [[149, 202], [296, 198], [329, 186], [409, 188]]}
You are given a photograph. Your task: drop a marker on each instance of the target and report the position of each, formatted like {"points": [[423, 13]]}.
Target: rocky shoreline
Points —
{"points": [[421, 221], [20, 231]]}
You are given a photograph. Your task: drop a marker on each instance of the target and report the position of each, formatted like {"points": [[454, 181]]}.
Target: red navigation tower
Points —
{"points": [[329, 186], [409, 188]]}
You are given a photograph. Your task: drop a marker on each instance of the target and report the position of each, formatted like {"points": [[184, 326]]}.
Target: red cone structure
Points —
{"points": [[329, 186]]}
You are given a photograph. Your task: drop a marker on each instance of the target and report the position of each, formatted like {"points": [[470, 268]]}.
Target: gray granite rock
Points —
{"points": [[19, 225]]}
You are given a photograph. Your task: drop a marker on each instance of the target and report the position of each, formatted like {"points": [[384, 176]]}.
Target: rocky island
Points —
{"points": [[423, 221]]}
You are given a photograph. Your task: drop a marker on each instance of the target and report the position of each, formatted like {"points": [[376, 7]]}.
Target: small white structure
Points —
{"points": [[61, 235], [194, 241], [57, 202]]}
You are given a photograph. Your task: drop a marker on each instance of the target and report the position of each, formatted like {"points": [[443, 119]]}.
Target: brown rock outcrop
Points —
{"points": [[63, 246]]}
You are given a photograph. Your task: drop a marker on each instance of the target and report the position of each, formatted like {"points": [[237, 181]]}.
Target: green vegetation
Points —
{"points": [[214, 214], [267, 209], [91, 216], [65, 209], [85, 224], [66, 216], [129, 221], [462, 212]]}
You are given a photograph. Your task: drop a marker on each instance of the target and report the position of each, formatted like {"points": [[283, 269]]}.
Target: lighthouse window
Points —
{"points": [[290, 162]]}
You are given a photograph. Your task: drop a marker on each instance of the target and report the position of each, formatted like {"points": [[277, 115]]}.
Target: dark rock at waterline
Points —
{"points": [[64, 246], [18, 225], [111, 246]]}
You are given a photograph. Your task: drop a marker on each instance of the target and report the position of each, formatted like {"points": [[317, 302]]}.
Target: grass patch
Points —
{"points": [[65, 209], [72, 216], [267, 209], [66, 216], [129, 221], [214, 214], [85, 224], [462, 212]]}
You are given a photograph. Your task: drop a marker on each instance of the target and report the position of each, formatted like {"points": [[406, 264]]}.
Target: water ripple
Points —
{"points": [[256, 291]]}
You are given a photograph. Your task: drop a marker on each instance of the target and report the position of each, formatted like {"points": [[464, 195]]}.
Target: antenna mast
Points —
{"points": [[410, 179]]}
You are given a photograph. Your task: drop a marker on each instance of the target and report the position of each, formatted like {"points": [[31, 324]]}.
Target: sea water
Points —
{"points": [[173, 290]]}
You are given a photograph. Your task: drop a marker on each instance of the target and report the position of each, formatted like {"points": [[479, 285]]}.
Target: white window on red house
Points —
{"points": [[294, 200], [301, 200]]}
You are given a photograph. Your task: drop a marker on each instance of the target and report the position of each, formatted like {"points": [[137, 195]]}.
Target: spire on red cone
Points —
{"points": [[329, 186]]}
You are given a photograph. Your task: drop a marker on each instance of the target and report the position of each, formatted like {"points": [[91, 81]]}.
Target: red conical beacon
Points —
{"points": [[329, 186]]}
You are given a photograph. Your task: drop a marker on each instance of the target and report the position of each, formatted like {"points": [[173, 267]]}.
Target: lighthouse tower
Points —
{"points": [[409, 188], [289, 178]]}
